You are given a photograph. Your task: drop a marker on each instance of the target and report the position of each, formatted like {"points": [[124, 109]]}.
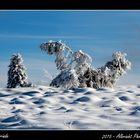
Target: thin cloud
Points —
{"points": [[19, 36]]}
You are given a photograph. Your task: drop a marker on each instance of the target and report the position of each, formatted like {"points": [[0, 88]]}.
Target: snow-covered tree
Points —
{"points": [[17, 76], [117, 67], [67, 77], [72, 64], [76, 69], [108, 75]]}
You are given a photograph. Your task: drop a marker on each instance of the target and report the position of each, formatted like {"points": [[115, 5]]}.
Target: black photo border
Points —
{"points": [[69, 5]]}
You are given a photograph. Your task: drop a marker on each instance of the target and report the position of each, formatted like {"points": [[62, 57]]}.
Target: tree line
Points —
{"points": [[75, 68]]}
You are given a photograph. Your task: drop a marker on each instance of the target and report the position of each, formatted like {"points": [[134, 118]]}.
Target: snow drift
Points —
{"points": [[79, 109]]}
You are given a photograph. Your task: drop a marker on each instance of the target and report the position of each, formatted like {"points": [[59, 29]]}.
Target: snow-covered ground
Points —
{"points": [[50, 108]]}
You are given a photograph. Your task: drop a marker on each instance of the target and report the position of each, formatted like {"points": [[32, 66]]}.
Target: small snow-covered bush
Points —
{"points": [[17, 76], [76, 69]]}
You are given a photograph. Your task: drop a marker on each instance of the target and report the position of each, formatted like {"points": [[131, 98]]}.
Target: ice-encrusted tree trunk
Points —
{"points": [[76, 69], [17, 76]]}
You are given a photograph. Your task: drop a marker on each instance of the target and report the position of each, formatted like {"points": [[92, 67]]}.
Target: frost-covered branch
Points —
{"points": [[60, 50], [117, 67]]}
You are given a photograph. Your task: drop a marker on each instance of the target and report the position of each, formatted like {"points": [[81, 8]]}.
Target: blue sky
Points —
{"points": [[98, 33]]}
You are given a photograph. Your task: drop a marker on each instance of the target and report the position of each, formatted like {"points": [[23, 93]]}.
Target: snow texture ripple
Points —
{"points": [[79, 109]]}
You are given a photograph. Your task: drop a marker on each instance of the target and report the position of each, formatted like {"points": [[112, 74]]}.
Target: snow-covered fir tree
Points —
{"points": [[17, 76], [76, 69]]}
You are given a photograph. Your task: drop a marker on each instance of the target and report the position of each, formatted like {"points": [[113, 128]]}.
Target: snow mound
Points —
{"points": [[74, 109]]}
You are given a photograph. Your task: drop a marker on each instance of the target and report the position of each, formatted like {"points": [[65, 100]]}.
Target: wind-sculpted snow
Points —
{"points": [[78, 109]]}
